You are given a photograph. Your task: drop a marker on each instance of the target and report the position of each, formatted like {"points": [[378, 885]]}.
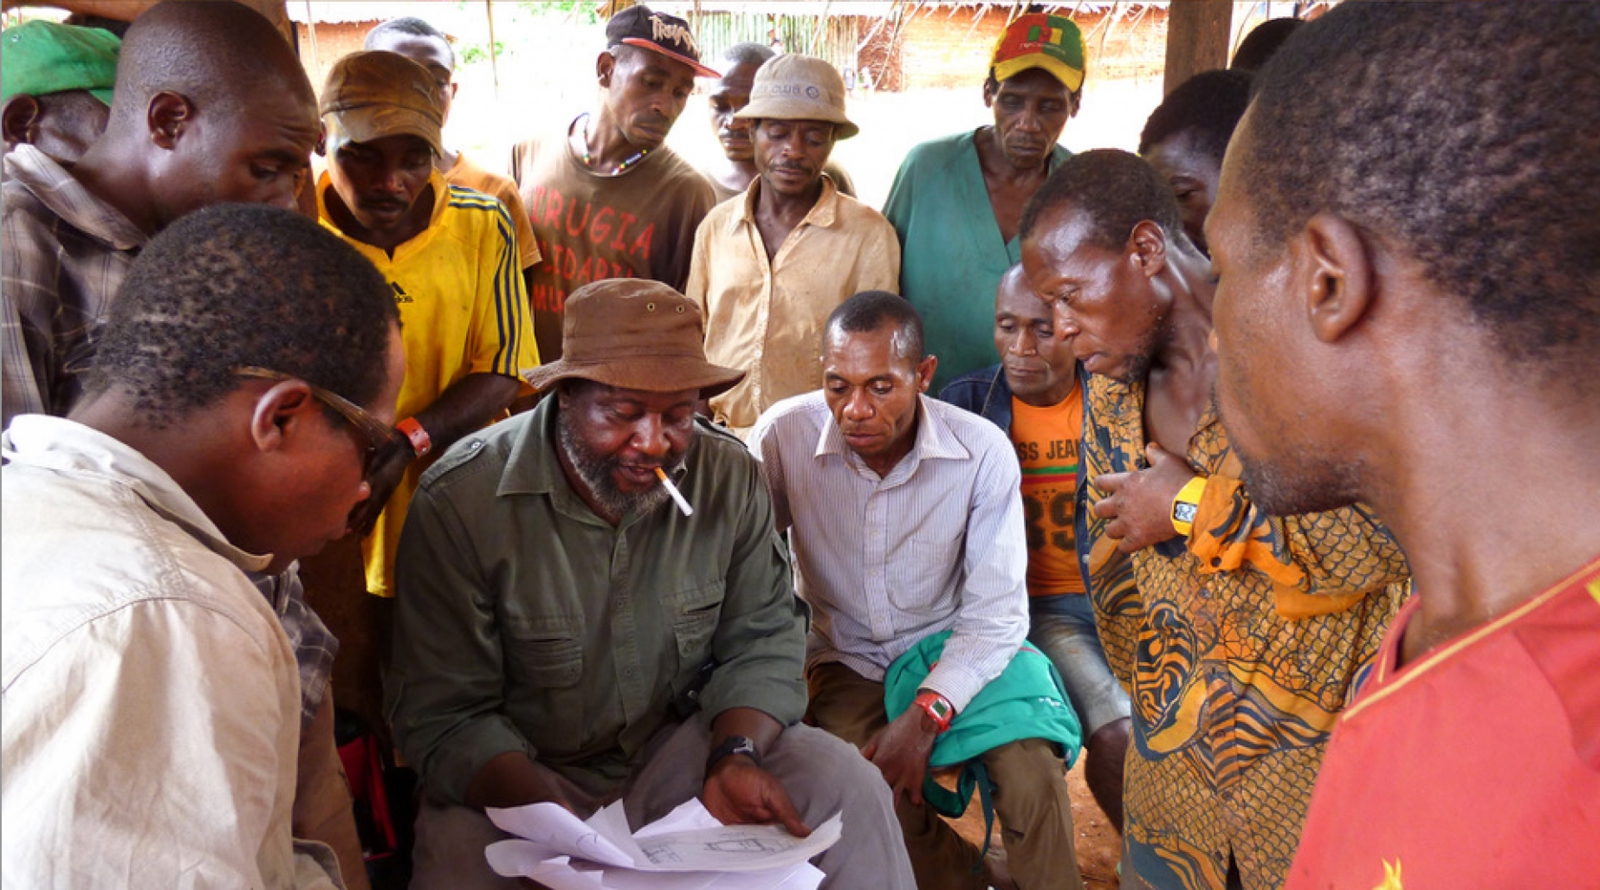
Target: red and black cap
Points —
{"points": [[657, 31]]}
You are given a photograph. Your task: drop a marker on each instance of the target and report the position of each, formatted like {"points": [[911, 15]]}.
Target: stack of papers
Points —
{"points": [[687, 850]]}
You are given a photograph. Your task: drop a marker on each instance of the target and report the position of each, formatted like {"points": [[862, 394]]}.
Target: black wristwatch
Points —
{"points": [[734, 744]]}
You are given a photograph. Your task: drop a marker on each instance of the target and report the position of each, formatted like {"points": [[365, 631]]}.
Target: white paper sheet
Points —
{"points": [[686, 850]]}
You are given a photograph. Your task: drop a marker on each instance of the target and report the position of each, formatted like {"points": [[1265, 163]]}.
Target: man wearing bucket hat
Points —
{"points": [[449, 254], [568, 630], [606, 196], [55, 83], [733, 172], [769, 267], [957, 201]]}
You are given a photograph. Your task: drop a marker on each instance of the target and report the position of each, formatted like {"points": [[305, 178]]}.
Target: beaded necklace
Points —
{"points": [[584, 152]]}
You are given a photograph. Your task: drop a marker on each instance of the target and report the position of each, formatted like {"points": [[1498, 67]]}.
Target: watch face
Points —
{"points": [[1184, 512]]}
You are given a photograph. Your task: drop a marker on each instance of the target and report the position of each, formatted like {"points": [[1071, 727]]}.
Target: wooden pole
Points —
{"points": [[494, 57], [1197, 39]]}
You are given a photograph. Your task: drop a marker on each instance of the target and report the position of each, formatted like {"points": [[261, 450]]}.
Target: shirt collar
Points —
{"points": [[822, 214], [441, 197], [57, 189], [934, 441], [65, 446]]}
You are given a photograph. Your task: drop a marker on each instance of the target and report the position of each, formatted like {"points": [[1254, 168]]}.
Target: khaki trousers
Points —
{"points": [[1030, 799]]}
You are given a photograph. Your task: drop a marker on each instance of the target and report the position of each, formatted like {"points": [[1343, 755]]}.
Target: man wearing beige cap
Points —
{"points": [[606, 196], [957, 200], [593, 605], [451, 257], [769, 267]]}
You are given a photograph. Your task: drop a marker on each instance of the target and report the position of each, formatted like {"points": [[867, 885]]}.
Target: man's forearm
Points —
{"points": [[466, 406], [513, 779]]}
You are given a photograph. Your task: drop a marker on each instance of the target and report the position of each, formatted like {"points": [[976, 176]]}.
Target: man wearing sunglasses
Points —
{"points": [[152, 709]]}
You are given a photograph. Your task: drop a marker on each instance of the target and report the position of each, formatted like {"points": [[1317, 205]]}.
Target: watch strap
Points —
{"points": [[421, 442], [734, 744], [937, 707], [1187, 504]]}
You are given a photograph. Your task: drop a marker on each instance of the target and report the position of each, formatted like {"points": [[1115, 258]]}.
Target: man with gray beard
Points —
{"points": [[566, 632]]}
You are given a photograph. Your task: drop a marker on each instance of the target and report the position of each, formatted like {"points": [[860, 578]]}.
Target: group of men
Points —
{"points": [[1206, 515]]}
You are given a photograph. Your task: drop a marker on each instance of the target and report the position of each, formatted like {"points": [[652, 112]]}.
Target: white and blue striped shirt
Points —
{"points": [[937, 544]]}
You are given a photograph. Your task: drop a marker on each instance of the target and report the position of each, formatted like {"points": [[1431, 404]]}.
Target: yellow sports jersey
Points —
{"points": [[1047, 441], [463, 310]]}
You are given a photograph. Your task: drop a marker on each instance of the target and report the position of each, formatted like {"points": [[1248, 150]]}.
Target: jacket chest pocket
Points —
{"points": [[544, 653], [695, 614]]}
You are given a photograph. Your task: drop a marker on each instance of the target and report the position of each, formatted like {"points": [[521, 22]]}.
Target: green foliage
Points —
{"points": [[584, 12], [474, 53]]}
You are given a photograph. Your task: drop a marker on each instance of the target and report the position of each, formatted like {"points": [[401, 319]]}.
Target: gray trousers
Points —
{"points": [[822, 775]]}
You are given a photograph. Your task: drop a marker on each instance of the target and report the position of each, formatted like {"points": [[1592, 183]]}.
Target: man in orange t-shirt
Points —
{"points": [[1034, 395]]}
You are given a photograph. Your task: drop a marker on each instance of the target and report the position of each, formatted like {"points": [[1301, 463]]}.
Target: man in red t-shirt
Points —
{"points": [[1410, 316]]}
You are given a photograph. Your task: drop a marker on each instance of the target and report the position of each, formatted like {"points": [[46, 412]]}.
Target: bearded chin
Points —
{"points": [[598, 472]]}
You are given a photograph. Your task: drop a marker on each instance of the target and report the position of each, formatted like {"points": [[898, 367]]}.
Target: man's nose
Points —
{"points": [[649, 436]]}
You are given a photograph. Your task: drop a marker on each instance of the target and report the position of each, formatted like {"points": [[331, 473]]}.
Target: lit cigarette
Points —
{"points": [[673, 490]]}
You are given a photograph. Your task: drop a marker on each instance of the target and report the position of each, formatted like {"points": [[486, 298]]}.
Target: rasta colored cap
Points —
{"points": [[39, 58], [633, 333], [1036, 40], [659, 32], [372, 94]]}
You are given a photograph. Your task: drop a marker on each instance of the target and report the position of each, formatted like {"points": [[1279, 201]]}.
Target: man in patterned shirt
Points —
{"points": [[1238, 635]]}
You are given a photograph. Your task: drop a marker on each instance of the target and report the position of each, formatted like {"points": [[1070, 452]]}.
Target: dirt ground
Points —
{"points": [[1099, 846]]}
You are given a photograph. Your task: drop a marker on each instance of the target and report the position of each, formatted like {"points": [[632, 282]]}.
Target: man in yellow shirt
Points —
{"points": [[451, 256]]}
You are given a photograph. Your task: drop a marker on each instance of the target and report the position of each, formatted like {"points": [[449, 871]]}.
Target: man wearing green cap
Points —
{"points": [[770, 266], [55, 83], [957, 201]]}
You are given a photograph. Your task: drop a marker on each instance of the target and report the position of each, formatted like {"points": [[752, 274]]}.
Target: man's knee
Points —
{"points": [[449, 850]]}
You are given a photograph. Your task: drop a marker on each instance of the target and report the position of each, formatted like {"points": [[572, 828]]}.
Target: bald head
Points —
{"points": [[217, 53], [211, 106]]}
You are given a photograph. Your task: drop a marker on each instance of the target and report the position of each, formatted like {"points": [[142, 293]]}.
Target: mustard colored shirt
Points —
{"points": [[766, 317], [463, 310]]}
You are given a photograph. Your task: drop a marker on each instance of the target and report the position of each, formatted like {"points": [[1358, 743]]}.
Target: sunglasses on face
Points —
{"points": [[377, 435]]}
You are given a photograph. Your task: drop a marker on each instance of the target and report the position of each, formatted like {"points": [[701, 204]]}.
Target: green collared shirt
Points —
{"points": [[525, 622]]}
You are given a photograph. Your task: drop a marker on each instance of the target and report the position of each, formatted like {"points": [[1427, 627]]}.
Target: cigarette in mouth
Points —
{"points": [[673, 490]]}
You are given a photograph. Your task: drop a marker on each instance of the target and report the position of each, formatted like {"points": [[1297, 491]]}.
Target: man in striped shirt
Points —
{"points": [[905, 519]]}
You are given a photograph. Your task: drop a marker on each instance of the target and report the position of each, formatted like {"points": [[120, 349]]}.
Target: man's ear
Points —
{"points": [[990, 86], [1331, 267], [19, 121], [168, 116], [604, 66], [280, 413], [1147, 248], [925, 369]]}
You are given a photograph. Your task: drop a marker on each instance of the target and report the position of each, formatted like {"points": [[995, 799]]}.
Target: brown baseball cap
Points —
{"points": [[657, 31], [373, 93], [634, 333]]}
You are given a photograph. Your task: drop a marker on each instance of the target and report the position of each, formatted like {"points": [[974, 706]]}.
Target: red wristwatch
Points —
{"points": [[421, 443], [937, 707]]}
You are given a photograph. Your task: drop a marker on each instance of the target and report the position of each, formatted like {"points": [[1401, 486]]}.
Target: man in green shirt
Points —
{"points": [[566, 632], [957, 201]]}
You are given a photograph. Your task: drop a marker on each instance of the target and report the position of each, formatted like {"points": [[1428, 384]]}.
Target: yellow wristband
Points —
{"points": [[1187, 504]]}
